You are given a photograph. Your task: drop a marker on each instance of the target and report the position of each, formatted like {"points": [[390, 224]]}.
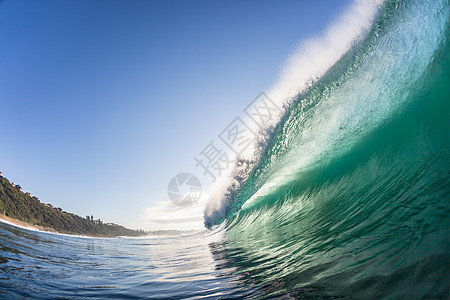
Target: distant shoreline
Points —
{"points": [[27, 226], [21, 209]]}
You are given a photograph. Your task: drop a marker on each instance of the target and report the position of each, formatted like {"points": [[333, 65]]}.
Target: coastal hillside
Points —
{"points": [[18, 205]]}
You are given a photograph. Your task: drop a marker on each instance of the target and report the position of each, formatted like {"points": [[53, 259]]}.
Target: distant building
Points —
{"points": [[19, 188], [1, 174]]}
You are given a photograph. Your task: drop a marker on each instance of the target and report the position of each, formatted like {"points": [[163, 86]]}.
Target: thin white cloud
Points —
{"points": [[166, 215]]}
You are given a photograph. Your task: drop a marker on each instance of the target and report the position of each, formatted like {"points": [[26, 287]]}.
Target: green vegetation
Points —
{"points": [[14, 203]]}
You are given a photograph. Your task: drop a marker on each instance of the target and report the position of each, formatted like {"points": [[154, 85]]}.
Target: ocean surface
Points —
{"points": [[350, 198]]}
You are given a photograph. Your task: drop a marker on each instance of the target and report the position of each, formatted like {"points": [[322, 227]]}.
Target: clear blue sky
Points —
{"points": [[102, 102]]}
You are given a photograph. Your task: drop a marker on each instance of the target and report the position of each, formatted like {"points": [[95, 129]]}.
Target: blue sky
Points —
{"points": [[102, 102]]}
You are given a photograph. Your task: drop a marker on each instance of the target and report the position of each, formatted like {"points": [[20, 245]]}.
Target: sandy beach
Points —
{"points": [[25, 225]]}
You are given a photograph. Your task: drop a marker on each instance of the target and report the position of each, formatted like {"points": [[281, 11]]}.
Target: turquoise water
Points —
{"points": [[350, 199], [352, 196]]}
